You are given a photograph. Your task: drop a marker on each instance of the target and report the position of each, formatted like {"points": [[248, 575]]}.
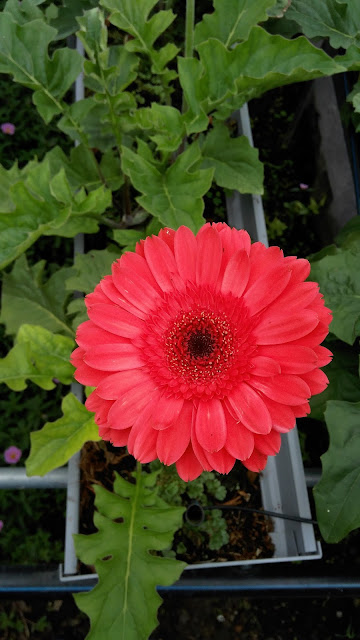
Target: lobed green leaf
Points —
{"points": [[337, 20], [231, 21], [236, 162], [337, 495], [133, 18], [222, 80], [54, 444], [338, 278], [26, 298], [24, 55], [38, 356], [132, 522], [173, 195]]}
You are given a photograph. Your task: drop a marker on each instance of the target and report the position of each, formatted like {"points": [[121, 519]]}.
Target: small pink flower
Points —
{"points": [[303, 186], [1, 525], [8, 128], [12, 455]]}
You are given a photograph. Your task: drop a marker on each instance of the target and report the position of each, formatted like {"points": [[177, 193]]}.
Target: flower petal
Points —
{"points": [[263, 366], [220, 461], [256, 462], [113, 357], [210, 425], [266, 288], [239, 440], [236, 274], [117, 437], [166, 411], [162, 263], [118, 383], [185, 248], [113, 294], [172, 443], [324, 355], [283, 417], [88, 376], [289, 390], [138, 264], [142, 441], [135, 289], [293, 359], [250, 408], [270, 444], [188, 466], [116, 320], [129, 406], [208, 257], [317, 380], [277, 329]]}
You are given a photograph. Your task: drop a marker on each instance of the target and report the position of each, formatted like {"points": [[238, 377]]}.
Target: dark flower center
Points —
{"points": [[200, 344]]}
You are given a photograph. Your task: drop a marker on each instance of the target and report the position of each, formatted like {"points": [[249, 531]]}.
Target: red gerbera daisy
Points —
{"points": [[202, 349]]}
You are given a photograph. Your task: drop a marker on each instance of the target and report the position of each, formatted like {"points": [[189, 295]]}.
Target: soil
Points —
{"points": [[200, 618], [249, 533]]}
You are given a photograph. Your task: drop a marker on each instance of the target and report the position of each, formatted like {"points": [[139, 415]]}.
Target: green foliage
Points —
{"points": [[56, 442], [174, 195], [49, 78], [205, 489], [132, 521], [343, 374], [38, 355], [26, 298], [331, 19], [231, 22], [235, 161], [337, 494], [338, 276]]}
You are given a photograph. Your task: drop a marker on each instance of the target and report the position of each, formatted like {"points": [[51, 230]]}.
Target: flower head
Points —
{"points": [[8, 128], [202, 349], [1, 525], [12, 455]]}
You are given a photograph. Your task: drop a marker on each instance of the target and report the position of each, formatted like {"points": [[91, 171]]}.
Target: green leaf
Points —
{"points": [[38, 356], [349, 236], [133, 17], [337, 20], [337, 495], [232, 20], [65, 16], [109, 70], [223, 80], [338, 278], [90, 268], [131, 522], [24, 55], [128, 238], [173, 195], [91, 119], [235, 161], [24, 11], [343, 380], [43, 203], [82, 170], [27, 299], [54, 444], [164, 125]]}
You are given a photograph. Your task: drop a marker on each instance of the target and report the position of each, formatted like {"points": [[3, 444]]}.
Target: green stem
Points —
{"points": [[189, 28]]}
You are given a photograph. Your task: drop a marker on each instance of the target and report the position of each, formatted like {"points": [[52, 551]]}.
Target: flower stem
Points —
{"points": [[189, 28]]}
